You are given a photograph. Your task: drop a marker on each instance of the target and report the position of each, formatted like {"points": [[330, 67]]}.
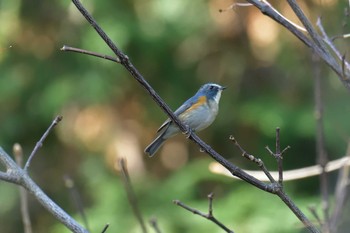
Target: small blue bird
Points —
{"points": [[198, 113]]}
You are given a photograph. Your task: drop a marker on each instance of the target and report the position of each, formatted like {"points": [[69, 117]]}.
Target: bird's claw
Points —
{"points": [[188, 131]]}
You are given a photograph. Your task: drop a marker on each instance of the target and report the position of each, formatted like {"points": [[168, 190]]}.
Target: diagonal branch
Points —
{"points": [[15, 174], [234, 170], [330, 43], [41, 141], [307, 24], [124, 60], [315, 43], [20, 177]]}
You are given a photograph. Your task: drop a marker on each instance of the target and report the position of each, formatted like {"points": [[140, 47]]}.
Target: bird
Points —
{"points": [[197, 113]]}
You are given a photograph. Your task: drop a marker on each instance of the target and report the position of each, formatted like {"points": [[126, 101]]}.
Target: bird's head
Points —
{"points": [[212, 91]]}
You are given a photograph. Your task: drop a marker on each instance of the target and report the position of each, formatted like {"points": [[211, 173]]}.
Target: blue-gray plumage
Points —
{"points": [[198, 113]]}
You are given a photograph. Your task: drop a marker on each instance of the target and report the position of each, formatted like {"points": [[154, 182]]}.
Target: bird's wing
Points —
{"points": [[191, 102]]}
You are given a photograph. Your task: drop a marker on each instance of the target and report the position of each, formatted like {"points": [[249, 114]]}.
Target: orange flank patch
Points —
{"points": [[201, 100]]}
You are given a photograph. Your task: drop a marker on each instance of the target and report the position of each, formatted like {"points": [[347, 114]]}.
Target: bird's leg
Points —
{"points": [[188, 131]]}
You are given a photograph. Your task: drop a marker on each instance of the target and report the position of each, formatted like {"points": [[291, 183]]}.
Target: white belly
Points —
{"points": [[203, 117]]}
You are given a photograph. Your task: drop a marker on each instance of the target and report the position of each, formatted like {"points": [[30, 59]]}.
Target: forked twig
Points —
{"points": [[329, 42], [15, 174], [315, 43], [252, 158], [208, 216]]}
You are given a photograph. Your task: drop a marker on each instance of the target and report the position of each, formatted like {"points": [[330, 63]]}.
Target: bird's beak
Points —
{"points": [[223, 88]]}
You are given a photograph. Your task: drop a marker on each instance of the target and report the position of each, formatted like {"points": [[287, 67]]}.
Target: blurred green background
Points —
{"points": [[177, 46]]}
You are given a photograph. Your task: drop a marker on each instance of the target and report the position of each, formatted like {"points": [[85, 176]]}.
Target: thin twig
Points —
{"points": [[252, 158], [131, 194], [105, 228], [208, 216], [154, 224], [83, 51], [319, 42], [329, 42], [41, 141], [27, 225], [317, 45], [76, 199], [278, 155], [18, 176], [322, 158], [307, 24], [315, 214]]}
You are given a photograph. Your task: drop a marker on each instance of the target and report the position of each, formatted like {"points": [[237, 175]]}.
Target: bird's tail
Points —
{"points": [[152, 148]]}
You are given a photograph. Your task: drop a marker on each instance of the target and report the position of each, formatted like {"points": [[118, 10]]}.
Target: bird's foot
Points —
{"points": [[188, 131]]}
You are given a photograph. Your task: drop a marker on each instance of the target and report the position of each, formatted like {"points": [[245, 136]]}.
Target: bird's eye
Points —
{"points": [[211, 87]]}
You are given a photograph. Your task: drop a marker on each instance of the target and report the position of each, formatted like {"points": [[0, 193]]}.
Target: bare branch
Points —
{"points": [[316, 44], [15, 174], [322, 157], [41, 141], [124, 60], [315, 214], [252, 158], [105, 228], [77, 50], [27, 225], [19, 176], [307, 24], [333, 48], [9, 178], [131, 194], [76, 199], [208, 216], [236, 171], [154, 224]]}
